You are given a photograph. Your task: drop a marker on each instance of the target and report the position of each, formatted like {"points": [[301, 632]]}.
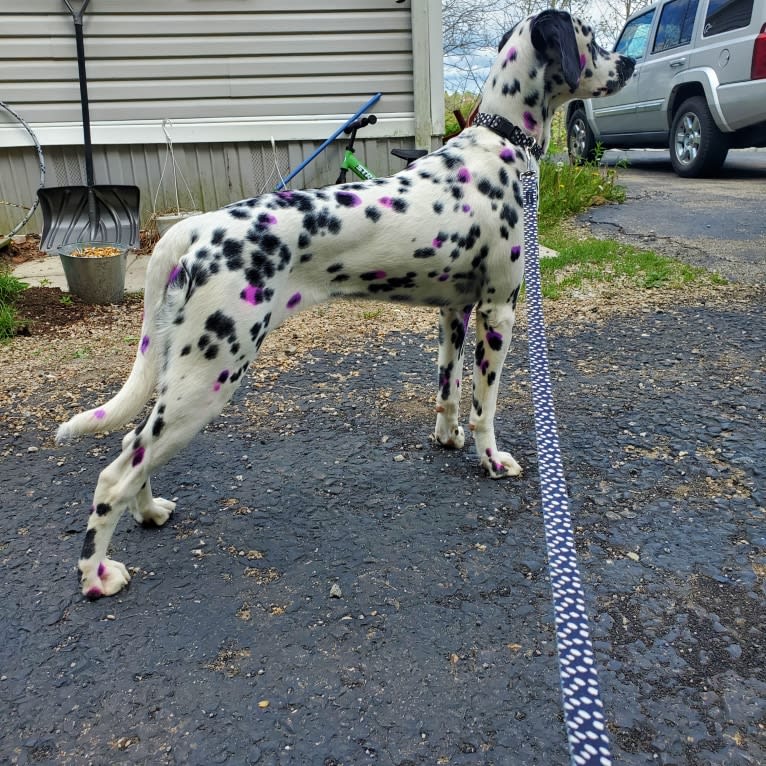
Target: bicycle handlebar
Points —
{"points": [[371, 119]]}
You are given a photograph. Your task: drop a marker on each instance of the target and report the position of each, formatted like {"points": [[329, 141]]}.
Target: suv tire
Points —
{"points": [[697, 147], [581, 143]]}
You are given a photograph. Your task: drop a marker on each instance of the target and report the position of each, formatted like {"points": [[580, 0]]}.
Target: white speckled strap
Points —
{"points": [[583, 709]]}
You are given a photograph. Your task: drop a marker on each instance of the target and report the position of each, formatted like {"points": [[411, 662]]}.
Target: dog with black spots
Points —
{"points": [[445, 232]]}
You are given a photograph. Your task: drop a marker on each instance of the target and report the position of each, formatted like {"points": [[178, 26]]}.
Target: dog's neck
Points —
{"points": [[516, 90], [509, 131]]}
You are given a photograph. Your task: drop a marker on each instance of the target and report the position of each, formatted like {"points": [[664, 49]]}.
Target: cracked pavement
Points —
{"points": [[717, 223]]}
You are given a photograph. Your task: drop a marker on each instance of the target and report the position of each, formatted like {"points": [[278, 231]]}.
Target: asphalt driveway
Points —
{"points": [[232, 644]]}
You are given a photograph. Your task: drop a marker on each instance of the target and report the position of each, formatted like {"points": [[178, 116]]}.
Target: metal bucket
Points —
{"points": [[95, 280]]}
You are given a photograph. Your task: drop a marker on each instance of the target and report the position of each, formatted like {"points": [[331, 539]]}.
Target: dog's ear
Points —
{"points": [[554, 29], [504, 40]]}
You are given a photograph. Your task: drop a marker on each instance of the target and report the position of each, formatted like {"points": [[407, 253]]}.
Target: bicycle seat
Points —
{"points": [[409, 155]]}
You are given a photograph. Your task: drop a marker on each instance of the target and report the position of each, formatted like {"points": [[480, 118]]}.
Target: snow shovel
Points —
{"points": [[92, 213]]}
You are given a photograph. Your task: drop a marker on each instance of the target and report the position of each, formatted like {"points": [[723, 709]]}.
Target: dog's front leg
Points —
{"points": [[452, 327], [493, 337]]}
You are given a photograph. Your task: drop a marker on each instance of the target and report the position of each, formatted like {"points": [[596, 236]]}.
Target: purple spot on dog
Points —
{"points": [[222, 378], [530, 123], [270, 220], [99, 414], [488, 452], [138, 456], [464, 175], [484, 366], [437, 243], [512, 54], [466, 208], [515, 252], [294, 301], [94, 593], [494, 340], [583, 61], [144, 344], [507, 154], [101, 570], [386, 201], [443, 277], [380, 275], [252, 295], [174, 274], [285, 194]]}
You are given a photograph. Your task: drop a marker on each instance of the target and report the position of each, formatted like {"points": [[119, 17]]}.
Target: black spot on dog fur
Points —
{"points": [[220, 324], [88, 544]]}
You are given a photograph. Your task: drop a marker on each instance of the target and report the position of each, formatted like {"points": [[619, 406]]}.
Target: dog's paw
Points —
{"points": [[157, 512], [452, 437], [500, 465], [106, 579]]}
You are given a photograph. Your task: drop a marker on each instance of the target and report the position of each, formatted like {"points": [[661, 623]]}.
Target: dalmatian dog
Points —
{"points": [[445, 232]]}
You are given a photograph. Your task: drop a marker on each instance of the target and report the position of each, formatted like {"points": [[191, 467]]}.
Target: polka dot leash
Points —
{"points": [[583, 710]]}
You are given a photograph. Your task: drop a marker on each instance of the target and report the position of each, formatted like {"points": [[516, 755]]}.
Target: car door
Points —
{"points": [[616, 114], [668, 55]]}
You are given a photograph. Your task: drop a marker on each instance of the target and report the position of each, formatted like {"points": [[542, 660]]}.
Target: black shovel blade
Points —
{"points": [[66, 219]]}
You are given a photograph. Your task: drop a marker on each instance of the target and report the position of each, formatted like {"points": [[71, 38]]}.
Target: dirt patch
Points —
{"points": [[21, 251], [49, 311]]}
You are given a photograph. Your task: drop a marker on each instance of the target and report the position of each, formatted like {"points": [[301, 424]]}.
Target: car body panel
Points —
{"points": [[685, 48]]}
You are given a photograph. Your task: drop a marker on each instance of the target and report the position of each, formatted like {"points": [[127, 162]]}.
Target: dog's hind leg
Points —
{"points": [[118, 485], [493, 338], [452, 328], [151, 510], [144, 508], [179, 414]]}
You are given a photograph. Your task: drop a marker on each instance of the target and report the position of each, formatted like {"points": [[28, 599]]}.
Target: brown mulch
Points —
{"points": [[50, 311]]}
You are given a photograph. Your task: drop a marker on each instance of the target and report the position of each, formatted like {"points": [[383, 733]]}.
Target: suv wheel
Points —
{"points": [[581, 143], [697, 147]]}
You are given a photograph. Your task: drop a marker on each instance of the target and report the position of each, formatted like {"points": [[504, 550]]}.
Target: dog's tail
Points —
{"points": [[138, 388]]}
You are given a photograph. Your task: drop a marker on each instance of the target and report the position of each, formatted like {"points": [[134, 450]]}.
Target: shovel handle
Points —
{"points": [[77, 14]]}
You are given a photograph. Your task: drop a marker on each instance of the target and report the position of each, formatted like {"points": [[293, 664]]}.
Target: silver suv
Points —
{"points": [[699, 86]]}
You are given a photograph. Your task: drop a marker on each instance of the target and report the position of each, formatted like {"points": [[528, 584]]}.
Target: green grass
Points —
{"points": [[584, 262], [566, 190], [10, 287]]}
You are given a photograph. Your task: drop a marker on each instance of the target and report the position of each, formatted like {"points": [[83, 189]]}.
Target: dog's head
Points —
{"points": [[544, 61]]}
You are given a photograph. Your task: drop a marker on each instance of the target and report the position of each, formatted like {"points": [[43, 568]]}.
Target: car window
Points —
{"points": [[724, 15], [676, 25], [635, 36]]}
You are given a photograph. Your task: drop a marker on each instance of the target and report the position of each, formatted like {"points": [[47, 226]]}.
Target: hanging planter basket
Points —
{"points": [[166, 219], [163, 221]]}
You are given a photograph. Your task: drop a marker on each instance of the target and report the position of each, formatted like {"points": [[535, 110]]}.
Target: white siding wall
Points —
{"points": [[231, 75]]}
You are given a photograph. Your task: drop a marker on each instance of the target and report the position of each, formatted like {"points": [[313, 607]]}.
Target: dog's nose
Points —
{"points": [[625, 68]]}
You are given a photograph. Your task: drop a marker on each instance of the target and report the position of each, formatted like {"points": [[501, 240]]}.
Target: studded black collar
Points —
{"points": [[508, 130]]}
